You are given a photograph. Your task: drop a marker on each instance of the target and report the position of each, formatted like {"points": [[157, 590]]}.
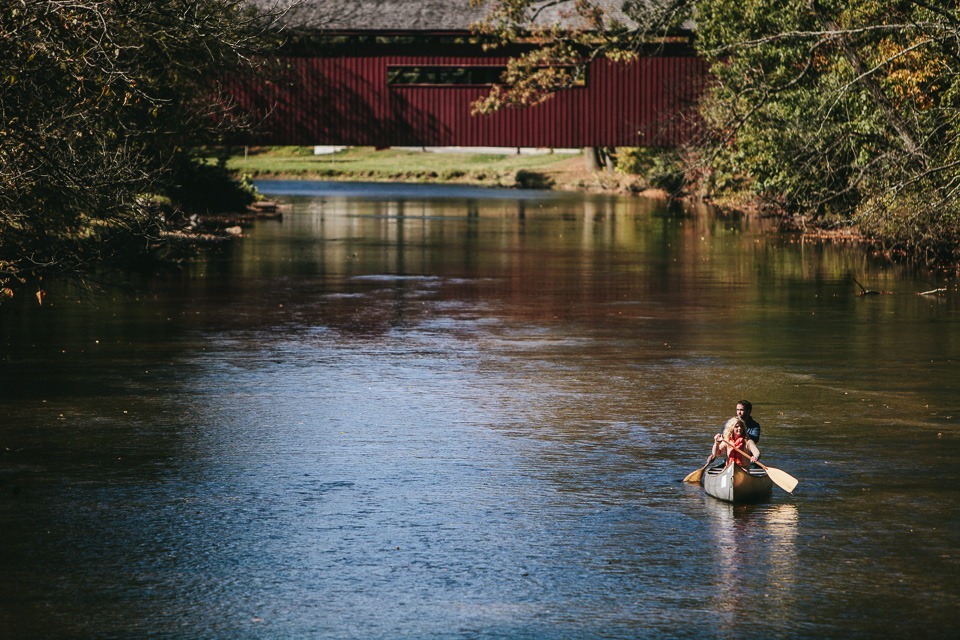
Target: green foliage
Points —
{"points": [[840, 109], [100, 102], [662, 169], [845, 109], [561, 37], [782, 126]]}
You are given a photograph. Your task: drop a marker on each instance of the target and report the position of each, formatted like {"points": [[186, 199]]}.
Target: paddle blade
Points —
{"points": [[695, 476], [782, 479]]}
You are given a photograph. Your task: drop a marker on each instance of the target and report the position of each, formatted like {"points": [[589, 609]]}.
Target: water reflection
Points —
{"points": [[753, 543], [468, 415]]}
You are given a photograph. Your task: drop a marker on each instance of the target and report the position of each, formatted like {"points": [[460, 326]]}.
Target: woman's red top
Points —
{"points": [[742, 460]]}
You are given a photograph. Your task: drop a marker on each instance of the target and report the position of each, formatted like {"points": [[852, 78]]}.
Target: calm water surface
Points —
{"points": [[419, 412]]}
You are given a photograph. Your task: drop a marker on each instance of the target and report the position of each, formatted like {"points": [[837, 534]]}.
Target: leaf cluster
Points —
{"points": [[100, 104], [840, 110], [843, 109], [564, 36]]}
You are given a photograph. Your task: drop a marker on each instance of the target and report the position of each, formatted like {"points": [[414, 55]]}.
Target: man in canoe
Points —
{"points": [[752, 426], [733, 438]]}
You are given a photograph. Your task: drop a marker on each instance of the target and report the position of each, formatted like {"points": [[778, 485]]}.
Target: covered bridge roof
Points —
{"points": [[397, 15], [376, 15]]}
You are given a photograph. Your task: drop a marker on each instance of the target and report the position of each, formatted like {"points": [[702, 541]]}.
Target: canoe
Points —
{"points": [[733, 483]]}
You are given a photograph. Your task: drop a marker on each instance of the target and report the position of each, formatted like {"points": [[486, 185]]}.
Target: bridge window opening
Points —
{"points": [[458, 76], [455, 76]]}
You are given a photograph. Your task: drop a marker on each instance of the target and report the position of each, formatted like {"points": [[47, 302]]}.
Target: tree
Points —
{"points": [[568, 35], [843, 110], [101, 103]]}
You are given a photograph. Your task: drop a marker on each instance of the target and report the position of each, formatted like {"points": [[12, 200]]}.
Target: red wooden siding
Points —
{"points": [[346, 101]]}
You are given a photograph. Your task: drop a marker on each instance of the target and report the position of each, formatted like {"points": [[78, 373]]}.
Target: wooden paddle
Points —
{"points": [[780, 478], [696, 476]]}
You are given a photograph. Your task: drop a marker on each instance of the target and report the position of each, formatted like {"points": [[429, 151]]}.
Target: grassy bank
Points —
{"points": [[542, 171], [561, 171]]}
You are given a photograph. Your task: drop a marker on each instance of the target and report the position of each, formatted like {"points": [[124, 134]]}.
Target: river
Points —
{"points": [[447, 412]]}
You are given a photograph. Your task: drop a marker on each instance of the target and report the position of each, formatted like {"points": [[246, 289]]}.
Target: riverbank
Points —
{"points": [[532, 169]]}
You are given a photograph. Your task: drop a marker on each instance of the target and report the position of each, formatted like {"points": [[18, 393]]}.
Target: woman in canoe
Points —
{"points": [[734, 433]]}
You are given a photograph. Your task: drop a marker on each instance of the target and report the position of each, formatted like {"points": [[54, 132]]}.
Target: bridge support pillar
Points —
{"points": [[597, 158], [591, 157]]}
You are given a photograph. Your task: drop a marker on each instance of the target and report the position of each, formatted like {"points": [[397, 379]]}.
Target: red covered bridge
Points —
{"points": [[401, 73]]}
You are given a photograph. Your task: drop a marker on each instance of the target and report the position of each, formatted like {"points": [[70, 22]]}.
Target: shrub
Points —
{"points": [[662, 169]]}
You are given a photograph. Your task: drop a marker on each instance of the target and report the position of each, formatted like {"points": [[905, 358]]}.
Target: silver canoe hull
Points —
{"points": [[733, 483]]}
